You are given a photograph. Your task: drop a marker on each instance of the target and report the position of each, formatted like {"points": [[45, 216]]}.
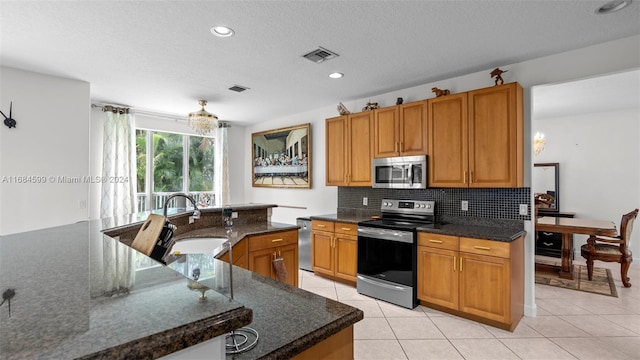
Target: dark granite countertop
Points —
{"points": [[59, 312], [482, 228]]}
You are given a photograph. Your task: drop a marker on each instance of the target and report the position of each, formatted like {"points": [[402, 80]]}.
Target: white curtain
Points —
{"points": [[221, 165], [118, 196]]}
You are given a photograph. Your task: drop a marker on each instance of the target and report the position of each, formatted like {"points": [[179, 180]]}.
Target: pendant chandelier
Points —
{"points": [[201, 121]]}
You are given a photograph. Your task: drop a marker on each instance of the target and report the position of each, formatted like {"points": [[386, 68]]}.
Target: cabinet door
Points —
{"points": [[289, 254], [346, 254], [360, 147], [413, 129], [336, 151], [485, 287], [386, 132], [496, 137], [322, 252], [438, 276], [448, 141], [260, 262]]}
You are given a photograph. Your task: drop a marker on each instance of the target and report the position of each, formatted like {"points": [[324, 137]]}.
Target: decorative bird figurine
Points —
{"points": [[496, 73]]}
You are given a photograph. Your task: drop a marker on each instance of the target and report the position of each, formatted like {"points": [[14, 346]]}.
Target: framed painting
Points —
{"points": [[282, 157]]}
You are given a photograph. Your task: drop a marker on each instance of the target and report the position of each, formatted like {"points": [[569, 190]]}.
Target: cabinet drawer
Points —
{"points": [[438, 241], [271, 240], [547, 240], [346, 228], [485, 247], [322, 225]]}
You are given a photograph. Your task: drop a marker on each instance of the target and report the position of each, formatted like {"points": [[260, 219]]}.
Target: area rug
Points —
{"points": [[602, 282]]}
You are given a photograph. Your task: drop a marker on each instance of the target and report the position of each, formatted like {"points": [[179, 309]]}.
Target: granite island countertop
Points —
{"points": [[59, 313]]}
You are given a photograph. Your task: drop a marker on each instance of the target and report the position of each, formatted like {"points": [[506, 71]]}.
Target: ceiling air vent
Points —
{"points": [[319, 55], [238, 88]]}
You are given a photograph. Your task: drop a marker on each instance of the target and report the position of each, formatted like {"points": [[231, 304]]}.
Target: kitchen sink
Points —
{"points": [[200, 245]]}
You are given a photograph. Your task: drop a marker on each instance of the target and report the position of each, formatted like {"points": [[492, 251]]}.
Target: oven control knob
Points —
{"points": [[428, 206], [416, 206], [423, 206]]}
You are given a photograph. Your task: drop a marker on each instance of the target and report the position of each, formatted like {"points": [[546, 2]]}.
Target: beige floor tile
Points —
{"points": [[458, 328], [596, 325], [315, 282], [534, 349], [377, 350], [590, 348], [483, 349], [631, 322], [628, 345], [390, 310], [369, 307], [414, 328], [430, 350], [561, 307], [521, 331], [327, 292], [432, 312], [553, 326], [350, 293], [373, 329]]}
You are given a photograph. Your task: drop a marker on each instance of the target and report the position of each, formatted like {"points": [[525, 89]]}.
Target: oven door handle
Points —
{"points": [[376, 283]]}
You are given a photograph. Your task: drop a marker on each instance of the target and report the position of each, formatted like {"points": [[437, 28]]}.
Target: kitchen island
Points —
{"points": [[60, 312]]}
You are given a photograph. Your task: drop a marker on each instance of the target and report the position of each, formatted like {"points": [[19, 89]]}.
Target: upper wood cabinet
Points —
{"points": [[400, 130], [349, 149], [476, 138]]}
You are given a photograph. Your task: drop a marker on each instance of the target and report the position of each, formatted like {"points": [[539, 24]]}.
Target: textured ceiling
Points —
{"points": [[160, 55]]}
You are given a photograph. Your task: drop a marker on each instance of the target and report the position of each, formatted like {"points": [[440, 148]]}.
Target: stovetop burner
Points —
{"points": [[404, 215]]}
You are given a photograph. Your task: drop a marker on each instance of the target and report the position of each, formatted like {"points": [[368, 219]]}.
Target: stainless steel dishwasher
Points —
{"points": [[304, 243]]}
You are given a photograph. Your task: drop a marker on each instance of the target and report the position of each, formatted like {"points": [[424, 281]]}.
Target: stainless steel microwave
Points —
{"points": [[402, 172]]}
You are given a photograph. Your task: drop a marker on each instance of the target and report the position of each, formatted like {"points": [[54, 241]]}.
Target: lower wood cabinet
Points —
{"points": [[334, 249], [256, 253], [474, 278]]}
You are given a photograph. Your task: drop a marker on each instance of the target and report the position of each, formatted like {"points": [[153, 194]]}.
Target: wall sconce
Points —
{"points": [[538, 143]]}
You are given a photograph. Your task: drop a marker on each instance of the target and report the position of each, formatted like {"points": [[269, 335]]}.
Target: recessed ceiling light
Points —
{"points": [[613, 6], [336, 75], [222, 31]]}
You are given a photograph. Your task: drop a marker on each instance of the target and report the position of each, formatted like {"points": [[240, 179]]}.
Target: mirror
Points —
{"points": [[545, 186]]}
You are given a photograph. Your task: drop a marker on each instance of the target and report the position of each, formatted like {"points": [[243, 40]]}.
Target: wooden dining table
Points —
{"points": [[569, 226]]}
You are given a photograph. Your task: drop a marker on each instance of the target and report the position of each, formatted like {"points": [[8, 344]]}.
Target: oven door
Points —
{"points": [[387, 265]]}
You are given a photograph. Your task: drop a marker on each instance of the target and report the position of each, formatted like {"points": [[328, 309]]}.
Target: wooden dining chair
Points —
{"points": [[610, 249]]}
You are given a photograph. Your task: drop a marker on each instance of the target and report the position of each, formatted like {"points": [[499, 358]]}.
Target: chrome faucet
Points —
{"points": [[196, 212]]}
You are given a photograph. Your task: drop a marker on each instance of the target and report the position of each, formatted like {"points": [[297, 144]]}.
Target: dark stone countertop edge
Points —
{"points": [[170, 341], [315, 337], [499, 232]]}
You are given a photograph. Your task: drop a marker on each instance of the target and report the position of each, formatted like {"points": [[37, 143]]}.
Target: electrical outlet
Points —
{"points": [[365, 201], [464, 205], [234, 215], [524, 209]]}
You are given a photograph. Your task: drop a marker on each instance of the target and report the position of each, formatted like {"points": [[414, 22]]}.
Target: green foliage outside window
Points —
{"points": [[167, 162]]}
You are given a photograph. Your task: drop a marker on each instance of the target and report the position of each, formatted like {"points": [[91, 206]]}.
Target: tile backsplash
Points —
{"points": [[502, 203]]}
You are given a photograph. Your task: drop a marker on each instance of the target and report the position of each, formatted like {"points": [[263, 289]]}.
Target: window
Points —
{"points": [[162, 160], [169, 163]]}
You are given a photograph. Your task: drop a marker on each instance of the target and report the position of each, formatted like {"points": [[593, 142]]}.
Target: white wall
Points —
{"points": [[49, 141], [599, 156]]}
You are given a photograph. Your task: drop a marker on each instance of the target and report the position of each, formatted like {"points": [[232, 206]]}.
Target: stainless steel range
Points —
{"points": [[387, 251]]}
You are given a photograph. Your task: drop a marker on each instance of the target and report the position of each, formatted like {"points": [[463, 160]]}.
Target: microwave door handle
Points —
{"points": [[410, 174]]}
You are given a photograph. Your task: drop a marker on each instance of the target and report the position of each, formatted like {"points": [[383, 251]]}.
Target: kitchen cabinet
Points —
{"points": [[476, 138], [239, 254], [475, 278], [263, 249], [349, 149], [400, 130], [334, 247]]}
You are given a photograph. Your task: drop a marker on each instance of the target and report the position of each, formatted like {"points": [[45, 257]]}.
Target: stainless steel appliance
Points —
{"points": [[388, 252], [402, 172], [304, 243]]}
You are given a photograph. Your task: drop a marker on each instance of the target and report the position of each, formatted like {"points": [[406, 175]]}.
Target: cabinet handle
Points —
{"points": [[547, 233], [396, 146], [454, 264], [547, 244], [346, 229], [460, 263], [277, 240], [482, 248], [400, 149], [470, 177], [321, 226], [437, 242], [464, 177]]}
